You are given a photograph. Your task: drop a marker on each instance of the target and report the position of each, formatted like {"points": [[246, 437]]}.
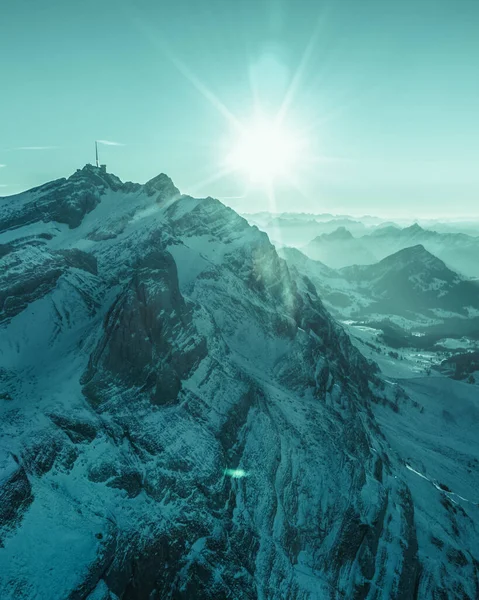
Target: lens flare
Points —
{"points": [[266, 152], [236, 473]]}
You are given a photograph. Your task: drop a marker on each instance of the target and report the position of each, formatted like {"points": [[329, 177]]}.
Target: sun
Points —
{"points": [[266, 152]]}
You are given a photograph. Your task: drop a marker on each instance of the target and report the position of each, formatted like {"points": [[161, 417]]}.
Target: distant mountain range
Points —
{"points": [[297, 230], [370, 239], [462, 225], [340, 248], [408, 283], [458, 250]]}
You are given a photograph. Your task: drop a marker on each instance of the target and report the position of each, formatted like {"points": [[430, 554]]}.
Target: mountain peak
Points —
{"points": [[417, 255], [414, 228], [416, 250], [96, 176], [341, 233], [163, 186]]}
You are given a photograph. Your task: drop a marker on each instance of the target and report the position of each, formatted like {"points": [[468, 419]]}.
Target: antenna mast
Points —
{"points": [[96, 153]]}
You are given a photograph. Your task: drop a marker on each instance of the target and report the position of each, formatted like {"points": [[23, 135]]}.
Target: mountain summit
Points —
{"points": [[341, 233], [338, 248]]}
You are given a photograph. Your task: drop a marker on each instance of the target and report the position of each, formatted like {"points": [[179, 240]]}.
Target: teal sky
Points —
{"points": [[388, 91]]}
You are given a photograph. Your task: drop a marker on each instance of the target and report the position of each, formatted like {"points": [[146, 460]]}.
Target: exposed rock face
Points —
{"points": [[30, 273], [64, 201], [191, 423], [150, 342], [162, 187], [15, 490]]}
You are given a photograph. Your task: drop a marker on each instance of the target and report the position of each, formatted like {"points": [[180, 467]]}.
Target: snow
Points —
{"points": [[457, 344], [439, 442], [102, 592], [251, 454], [48, 556]]}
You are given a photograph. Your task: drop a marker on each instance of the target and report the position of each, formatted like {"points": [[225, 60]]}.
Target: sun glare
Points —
{"points": [[266, 152]]}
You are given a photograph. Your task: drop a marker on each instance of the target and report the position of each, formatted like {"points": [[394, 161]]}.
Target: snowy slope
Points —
{"points": [[182, 418]]}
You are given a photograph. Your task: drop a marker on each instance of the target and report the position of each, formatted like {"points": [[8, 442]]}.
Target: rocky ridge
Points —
{"points": [[182, 418]]}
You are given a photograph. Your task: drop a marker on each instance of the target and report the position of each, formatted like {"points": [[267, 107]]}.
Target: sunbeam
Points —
{"points": [[218, 175], [299, 73], [204, 90]]}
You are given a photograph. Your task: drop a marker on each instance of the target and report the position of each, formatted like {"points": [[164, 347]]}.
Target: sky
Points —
{"points": [[384, 93]]}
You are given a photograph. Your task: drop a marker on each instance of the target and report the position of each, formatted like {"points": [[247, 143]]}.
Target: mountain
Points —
{"points": [[338, 248], [297, 228], [413, 280], [182, 418], [338, 295], [469, 226], [411, 283], [458, 250], [366, 244]]}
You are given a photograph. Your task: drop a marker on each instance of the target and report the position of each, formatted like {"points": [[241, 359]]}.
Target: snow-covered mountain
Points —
{"points": [[182, 418]]}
